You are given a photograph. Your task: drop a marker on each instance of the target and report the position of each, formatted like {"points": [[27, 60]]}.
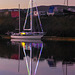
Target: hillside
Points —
{"points": [[57, 25]]}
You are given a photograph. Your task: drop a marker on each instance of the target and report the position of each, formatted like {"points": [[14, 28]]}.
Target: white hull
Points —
{"points": [[26, 41], [27, 37]]}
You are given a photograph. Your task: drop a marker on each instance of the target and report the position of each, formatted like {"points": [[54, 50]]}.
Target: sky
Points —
{"points": [[8, 4]]}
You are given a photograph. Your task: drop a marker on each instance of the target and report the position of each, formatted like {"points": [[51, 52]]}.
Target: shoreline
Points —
{"points": [[46, 38], [54, 38]]}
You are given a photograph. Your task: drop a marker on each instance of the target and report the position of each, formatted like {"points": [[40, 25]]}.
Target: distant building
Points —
{"points": [[6, 13], [41, 13], [51, 11], [1, 10], [35, 13], [71, 9], [55, 9], [13, 10], [42, 10], [14, 14]]}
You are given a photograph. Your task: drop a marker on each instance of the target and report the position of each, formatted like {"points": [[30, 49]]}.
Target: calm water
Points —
{"points": [[37, 58]]}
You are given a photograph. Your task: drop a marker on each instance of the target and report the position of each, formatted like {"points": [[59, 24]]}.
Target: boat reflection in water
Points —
{"points": [[32, 57], [32, 48]]}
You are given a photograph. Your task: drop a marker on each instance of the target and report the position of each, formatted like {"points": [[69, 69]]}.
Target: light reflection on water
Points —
{"points": [[37, 58]]}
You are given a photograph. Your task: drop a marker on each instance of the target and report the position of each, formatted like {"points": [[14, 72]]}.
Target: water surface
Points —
{"points": [[37, 58]]}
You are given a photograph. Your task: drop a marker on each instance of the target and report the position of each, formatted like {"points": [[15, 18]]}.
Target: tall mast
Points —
{"points": [[31, 22], [67, 2], [19, 17], [31, 14]]}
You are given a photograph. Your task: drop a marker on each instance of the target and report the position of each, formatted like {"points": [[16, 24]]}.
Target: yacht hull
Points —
{"points": [[26, 37]]}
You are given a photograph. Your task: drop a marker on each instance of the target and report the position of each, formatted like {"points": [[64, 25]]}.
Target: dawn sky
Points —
{"points": [[24, 3]]}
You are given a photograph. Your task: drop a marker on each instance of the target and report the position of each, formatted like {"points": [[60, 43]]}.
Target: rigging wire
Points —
{"points": [[38, 16], [26, 16], [38, 59], [23, 44]]}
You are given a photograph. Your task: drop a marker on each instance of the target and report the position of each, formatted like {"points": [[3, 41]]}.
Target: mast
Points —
{"points": [[31, 14], [30, 58], [19, 17], [67, 2], [31, 23], [19, 59]]}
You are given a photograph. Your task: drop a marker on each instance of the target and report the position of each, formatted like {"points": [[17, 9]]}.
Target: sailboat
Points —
{"points": [[28, 33]]}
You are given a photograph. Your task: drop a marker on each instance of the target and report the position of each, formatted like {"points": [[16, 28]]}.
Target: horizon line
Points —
{"points": [[37, 6]]}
